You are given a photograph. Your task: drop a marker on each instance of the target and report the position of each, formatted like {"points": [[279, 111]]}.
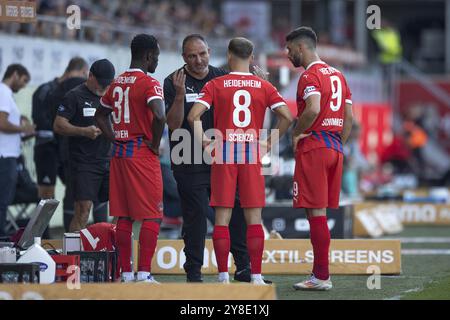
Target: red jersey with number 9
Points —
{"points": [[240, 102], [330, 84], [128, 96]]}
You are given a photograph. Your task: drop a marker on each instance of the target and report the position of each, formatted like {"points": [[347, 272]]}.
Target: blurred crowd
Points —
{"points": [[109, 18]]}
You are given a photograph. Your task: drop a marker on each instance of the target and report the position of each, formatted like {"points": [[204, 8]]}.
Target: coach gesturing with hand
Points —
{"points": [[181, 89]]}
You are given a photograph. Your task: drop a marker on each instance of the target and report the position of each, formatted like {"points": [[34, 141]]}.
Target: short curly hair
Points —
{"points": [[142, 44]]}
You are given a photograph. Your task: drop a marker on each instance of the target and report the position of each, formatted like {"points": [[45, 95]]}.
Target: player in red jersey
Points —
{"points": [[135, 100], [240, 101], [324, 124]]}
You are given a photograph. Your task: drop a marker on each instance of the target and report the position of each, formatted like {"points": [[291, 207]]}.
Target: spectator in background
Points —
{"points": [[46, 156], [354, 163], [416, 139], [388, 41], [16, 77], [397, 154]]}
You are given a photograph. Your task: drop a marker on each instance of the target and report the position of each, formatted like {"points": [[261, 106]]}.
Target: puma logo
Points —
{"points": [[191, 89]]}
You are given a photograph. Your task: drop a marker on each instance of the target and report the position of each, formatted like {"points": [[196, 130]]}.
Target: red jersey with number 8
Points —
{"points": [[240, 102], [330, 84]]}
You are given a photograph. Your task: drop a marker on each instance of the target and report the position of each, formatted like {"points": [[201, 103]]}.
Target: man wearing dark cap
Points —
{"points": [[88, 148]]}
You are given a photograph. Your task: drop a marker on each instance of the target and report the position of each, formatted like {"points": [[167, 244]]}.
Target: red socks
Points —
{"points": [[221, 242], [148, 237], [123, 241], [255, 246], [320, 240]]}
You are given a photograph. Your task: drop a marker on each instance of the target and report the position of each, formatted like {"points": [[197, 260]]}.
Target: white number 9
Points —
{"points": [[336, 89]]}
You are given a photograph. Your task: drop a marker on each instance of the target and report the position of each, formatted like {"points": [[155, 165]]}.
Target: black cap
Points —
{"points": [[103, 70]]}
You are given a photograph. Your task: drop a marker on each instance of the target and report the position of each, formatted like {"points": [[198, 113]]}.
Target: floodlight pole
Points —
{"points": [[296, 13], [447, 36], [360, 27]]}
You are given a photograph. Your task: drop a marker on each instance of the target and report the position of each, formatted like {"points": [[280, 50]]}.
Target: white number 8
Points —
{"points": [[238, 108], [336, 93]]}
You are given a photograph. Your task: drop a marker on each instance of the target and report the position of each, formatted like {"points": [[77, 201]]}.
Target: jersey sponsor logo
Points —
{"points": [[333, 122], [241, 83], [89, 112], [191, 97], [309, 89]]}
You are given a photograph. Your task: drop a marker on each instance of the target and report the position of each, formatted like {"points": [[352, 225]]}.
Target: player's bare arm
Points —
{"points": [[176, 112], [306, 119], [159, 120], [348, 122], [63, 127], [103, 121], [194, 119], [285, 120]]}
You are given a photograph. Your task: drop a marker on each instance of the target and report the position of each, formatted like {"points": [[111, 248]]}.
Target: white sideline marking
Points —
{"points": [[422, 252], [422, 239], [403, 293]]}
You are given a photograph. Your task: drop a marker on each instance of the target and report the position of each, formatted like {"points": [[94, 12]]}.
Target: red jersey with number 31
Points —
{"points": [[330, 84], [240, 102], [128, 96]]}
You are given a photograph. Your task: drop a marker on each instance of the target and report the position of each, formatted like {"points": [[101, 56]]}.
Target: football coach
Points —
{"points": [[181, 89]]}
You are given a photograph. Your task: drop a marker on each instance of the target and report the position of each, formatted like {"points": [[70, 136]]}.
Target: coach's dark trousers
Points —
{"points": [[8, 182], [195, 191]]}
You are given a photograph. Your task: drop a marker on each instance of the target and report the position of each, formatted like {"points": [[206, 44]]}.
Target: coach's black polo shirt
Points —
{"points": [[193, 88], [79, 106]]}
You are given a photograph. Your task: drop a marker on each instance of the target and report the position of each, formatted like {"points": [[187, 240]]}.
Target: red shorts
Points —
{"points": [[317, 178], [135, 188], [248, 179]]}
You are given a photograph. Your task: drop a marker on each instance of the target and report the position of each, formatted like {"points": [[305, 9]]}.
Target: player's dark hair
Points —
{"points": [[241, 47], [191, 37], [16, 67], [303, 33], [141, 45], [76, 64]]}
